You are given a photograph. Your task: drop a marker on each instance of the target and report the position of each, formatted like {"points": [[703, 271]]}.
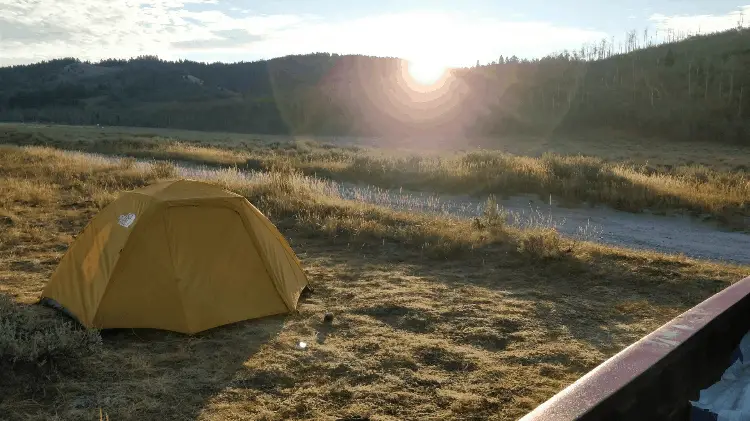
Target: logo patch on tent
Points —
{"points": [[126, 220]]}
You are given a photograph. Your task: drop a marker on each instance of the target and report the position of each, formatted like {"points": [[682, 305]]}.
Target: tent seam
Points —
{"points": [[264, 258], [174, 269], [288, 252]]}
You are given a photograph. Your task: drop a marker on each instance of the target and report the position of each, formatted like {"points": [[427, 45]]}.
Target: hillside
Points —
{"points": [[696, 88]]}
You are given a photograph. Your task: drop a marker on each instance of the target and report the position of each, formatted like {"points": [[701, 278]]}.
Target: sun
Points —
{"points": [[426, 72]]}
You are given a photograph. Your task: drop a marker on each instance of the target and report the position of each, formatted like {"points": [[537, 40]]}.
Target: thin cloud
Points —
{"points": [[95, 29], [443, 38], [230, 39], [702, 23]]}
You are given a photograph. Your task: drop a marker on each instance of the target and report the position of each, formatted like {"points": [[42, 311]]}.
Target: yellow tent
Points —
{"points": [[178, 255]]}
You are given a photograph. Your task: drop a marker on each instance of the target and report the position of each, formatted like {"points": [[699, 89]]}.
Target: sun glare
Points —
{"points": [[425, 72]]}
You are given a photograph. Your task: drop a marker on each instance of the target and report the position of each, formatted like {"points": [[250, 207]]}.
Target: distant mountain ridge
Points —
{"points": [[697, 88]]}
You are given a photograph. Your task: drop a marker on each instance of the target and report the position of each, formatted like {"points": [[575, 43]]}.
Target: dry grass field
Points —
{"points": [[708, 181], [435, 318]]}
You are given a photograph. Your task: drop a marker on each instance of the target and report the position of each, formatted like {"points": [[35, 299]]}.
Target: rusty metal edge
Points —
{"points": [[610, 376]]}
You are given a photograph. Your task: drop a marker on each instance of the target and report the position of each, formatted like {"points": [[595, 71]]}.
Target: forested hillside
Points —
{"points": [[696, 88]]}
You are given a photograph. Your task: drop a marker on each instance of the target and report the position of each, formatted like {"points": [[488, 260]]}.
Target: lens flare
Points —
{"points": [[426, 72]]}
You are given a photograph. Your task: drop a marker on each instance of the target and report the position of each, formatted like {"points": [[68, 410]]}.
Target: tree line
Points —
{"points": [[691, 88]]}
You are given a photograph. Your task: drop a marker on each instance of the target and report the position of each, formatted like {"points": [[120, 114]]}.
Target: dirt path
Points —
{"points": [[667, 234]]}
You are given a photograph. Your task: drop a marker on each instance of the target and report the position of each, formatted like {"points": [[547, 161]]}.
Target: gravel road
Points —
{"points": [[667, 234]]}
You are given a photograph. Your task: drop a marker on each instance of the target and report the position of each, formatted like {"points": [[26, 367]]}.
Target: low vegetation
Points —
{"points": [[659, 184], [433, 317], [27, 338]]}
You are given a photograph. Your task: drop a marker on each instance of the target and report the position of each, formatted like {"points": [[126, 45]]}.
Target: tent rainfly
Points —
{"points": [[181, 255]]}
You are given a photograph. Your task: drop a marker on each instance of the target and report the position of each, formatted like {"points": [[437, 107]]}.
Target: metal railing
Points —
{"points": [[656, 377]]}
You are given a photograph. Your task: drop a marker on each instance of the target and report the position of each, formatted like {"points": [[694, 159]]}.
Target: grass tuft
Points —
{"points": [[543, 243], [163, 170]]}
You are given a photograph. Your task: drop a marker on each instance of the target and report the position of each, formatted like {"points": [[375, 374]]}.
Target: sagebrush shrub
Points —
{"points": [[544, 243], [27, 336], [494, 216]]}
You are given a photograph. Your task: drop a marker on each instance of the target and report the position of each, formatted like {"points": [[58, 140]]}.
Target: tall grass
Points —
{"points": [[719, 194], [308, 204], [581, 178]]}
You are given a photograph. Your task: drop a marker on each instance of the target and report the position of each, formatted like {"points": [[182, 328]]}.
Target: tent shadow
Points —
{"points": [[153, 374]]}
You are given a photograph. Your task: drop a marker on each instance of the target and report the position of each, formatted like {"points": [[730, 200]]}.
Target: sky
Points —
{"points": [[450, 33]]}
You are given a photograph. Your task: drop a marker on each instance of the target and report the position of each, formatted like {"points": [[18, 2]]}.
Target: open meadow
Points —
{"points": [[710, 181], [435, 317]]}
